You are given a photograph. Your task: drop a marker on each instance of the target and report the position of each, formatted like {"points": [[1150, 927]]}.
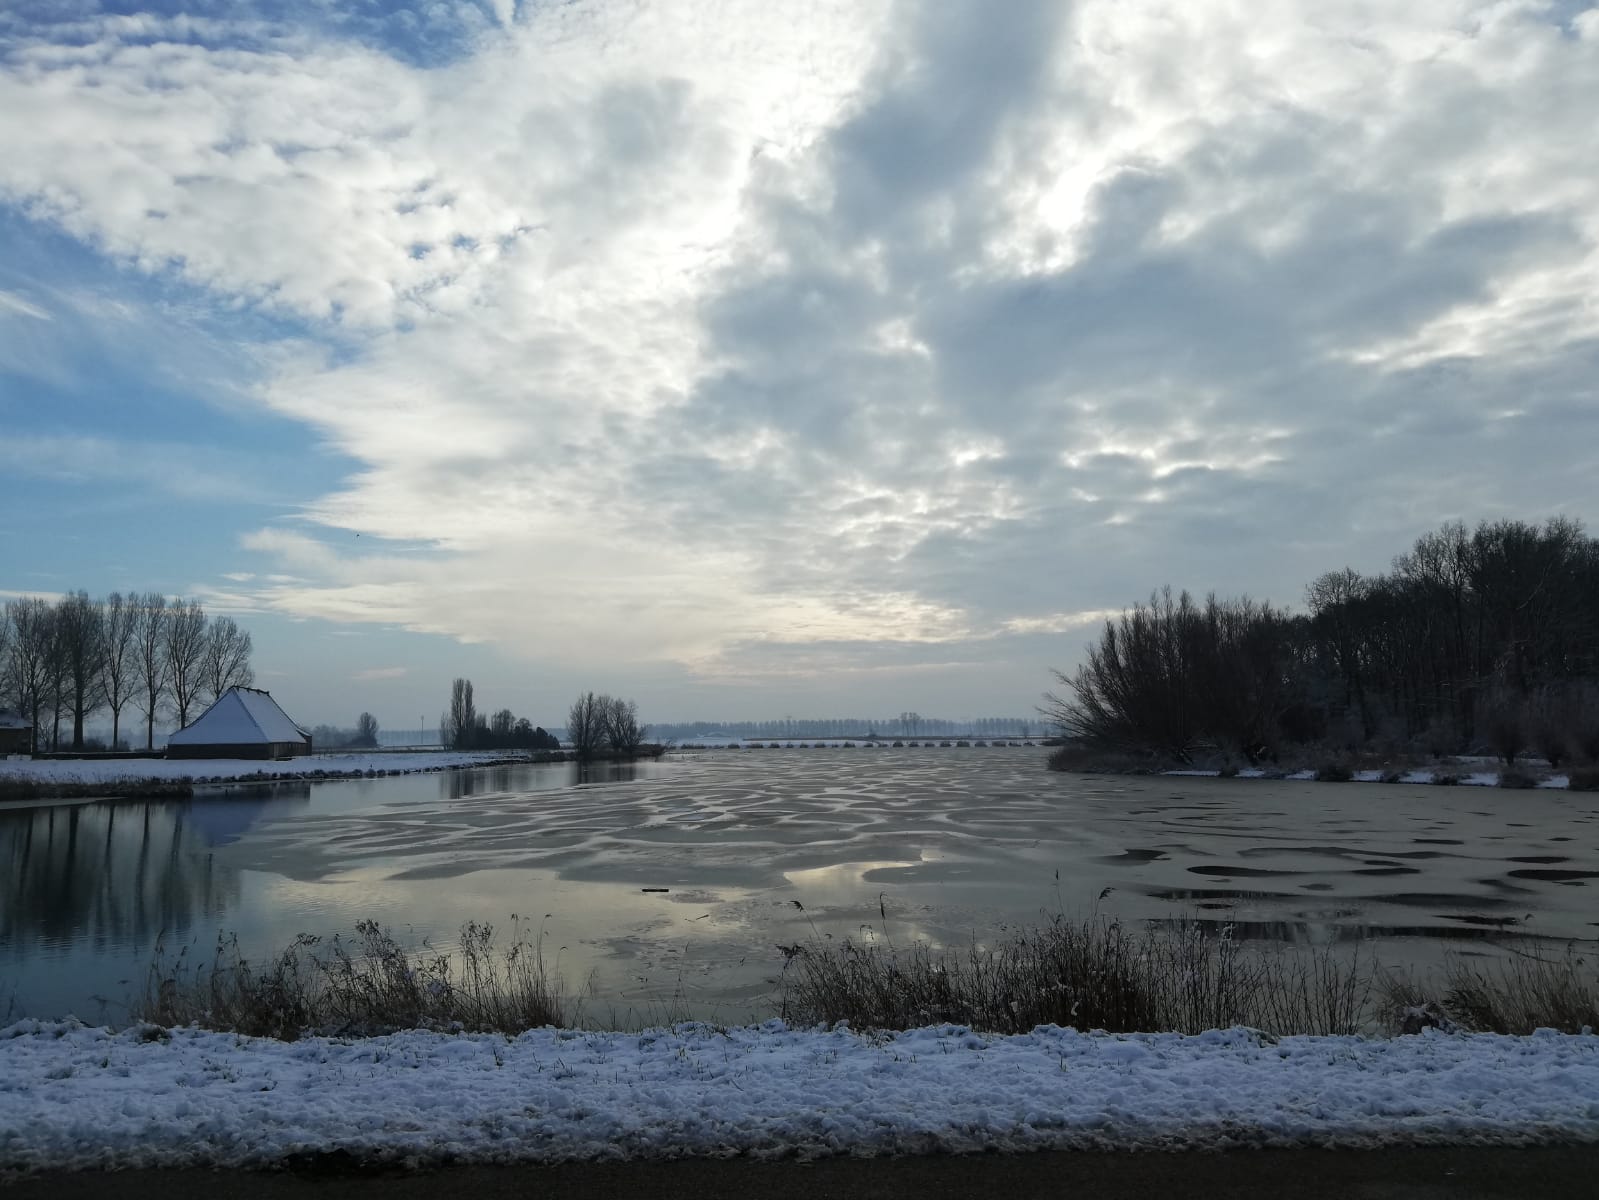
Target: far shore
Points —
{"points": [[1461, 772], [25, 782]]}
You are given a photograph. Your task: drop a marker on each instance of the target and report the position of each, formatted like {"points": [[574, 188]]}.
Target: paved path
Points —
{"points": [[1548, 1173]]}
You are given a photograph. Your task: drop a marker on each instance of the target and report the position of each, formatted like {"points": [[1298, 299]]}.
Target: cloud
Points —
{"points": [[10, 303], [375, 673], [783, 341]]}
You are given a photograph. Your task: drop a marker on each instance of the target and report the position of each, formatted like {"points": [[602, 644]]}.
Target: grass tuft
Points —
{"points": [[1516, 995], [364, 985], [1094, 975]]}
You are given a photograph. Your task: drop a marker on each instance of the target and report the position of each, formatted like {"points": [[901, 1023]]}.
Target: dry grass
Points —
{"points": [[368, 984], [1516, 995], [1096, 974]]}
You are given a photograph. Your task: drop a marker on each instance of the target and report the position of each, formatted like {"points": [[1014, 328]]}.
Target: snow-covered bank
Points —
{"points": [[77, 1097], [1409, 775], [229, 770]]}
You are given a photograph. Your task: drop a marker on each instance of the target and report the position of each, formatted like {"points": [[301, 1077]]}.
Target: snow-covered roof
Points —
{"points": [[240, 716], [11, 720]]}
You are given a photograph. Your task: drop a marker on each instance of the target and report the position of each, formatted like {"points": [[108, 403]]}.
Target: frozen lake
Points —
{"points": [[758, 848]]}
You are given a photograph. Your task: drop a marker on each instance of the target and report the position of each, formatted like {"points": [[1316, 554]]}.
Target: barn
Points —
{"points": [[16, 733], [242, 723]]}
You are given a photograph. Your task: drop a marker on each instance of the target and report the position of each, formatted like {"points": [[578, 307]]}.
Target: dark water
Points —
{"points": [[757, 849]]}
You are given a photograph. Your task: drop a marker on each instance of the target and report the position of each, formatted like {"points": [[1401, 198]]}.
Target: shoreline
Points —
{"points": [[1461, 772], [89, 780]]}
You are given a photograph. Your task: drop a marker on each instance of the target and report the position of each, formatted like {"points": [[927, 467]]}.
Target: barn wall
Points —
{"points": [[256, 750]]}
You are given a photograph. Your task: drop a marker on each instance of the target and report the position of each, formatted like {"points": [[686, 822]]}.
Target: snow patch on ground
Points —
{"points": [[74, 1097], [129, 770], [1474, 779]]}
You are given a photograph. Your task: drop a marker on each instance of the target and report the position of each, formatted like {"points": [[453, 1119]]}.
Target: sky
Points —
{"points": [[758, 358]]}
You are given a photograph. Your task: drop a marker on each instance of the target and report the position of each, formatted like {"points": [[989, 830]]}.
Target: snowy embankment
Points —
{"points": [[1416, 775], [229, 770], [77, 1097]]}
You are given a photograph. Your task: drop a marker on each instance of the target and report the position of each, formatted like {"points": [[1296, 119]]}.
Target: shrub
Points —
{"points": [[1585, 779], [1334, 772], [1228, 770], [1505, 727], [1445, 779], [1516, 779]]}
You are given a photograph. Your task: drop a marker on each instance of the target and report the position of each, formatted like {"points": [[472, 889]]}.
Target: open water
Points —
{"points": [[667, 889]]}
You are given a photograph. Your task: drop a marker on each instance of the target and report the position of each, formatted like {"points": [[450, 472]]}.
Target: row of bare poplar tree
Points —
{"points": [[67, 660], [1475, 640], [463, 727]]}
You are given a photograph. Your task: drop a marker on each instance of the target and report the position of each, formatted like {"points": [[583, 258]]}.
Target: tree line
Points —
{"points": [[905, 724], [70, 659], [463, 727], [363, 737], [1475, 639]]}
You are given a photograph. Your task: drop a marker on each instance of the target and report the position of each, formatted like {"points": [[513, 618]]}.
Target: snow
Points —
{"points": [[1473, 779], [75, 1097], [90, 770], [240, 716]]}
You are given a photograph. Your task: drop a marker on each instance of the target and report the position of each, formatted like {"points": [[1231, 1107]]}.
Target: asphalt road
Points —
{"points": [[1547, 1173]]}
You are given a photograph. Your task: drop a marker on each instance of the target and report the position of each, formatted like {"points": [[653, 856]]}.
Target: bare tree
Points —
{"points": [[80, 631], [585, 724], [118, 662], [226, 661], [185, 654], [32, 623], [459, 728], [622, 729], [55, 676], [366, 731], [149, 657], [501, 724]]}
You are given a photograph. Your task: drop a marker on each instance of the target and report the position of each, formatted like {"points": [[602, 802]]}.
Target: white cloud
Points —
{"points": [[10, 302], [774, 339]]}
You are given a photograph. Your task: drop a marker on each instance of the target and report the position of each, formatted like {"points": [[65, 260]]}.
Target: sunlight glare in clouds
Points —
{"points": [[764, 338]]}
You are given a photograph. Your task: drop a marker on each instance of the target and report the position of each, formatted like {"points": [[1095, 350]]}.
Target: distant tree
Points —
{"points": [[185, 654], [32, 624], [149, 657], [225, 662], [366, 731], [460, 723], [331, 737], [501, 726], [55, 674], [586, 724], [622, 729], [80, 634], [118, 669]]}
